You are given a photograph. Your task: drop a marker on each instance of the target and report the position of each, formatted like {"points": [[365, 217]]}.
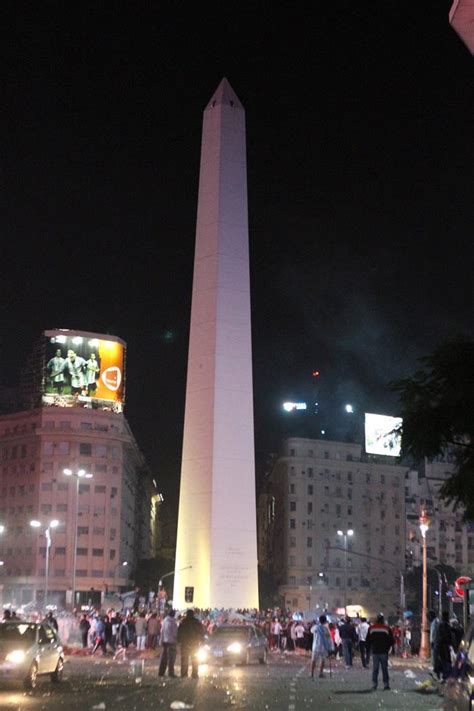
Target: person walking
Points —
{"points": [[363, 631], [348, 637], [322, 645], [190, 637], [380, 640], [100, 637], [84, 627], [140, 631], [444, 645], [153, 630], [169, 638]]}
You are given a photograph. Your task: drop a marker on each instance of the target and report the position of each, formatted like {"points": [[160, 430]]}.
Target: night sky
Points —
{"points": [[360, 176]]}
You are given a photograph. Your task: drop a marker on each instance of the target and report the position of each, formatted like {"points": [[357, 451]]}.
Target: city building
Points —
{"points": [[332, 527], [70, 464], [450, 539]]}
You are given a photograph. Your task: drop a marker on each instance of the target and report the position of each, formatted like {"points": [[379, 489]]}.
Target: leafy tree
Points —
{"points": [[437, 407]]}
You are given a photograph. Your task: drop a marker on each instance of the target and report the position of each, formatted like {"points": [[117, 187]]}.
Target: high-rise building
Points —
{"points": [[449, 539], [333, 525], [73, 461], [216, 554]]}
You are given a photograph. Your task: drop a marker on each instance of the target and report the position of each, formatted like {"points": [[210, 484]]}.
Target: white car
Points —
{"points": [[27, 650]]}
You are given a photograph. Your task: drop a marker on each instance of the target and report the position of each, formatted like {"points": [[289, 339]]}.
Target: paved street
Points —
{"points": [[282, 685]]}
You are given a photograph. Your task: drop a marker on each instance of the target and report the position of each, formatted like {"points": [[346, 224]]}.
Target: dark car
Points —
{"points": [[237, 644], [459, 688]]}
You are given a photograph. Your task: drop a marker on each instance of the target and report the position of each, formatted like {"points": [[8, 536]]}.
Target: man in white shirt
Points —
{"points": [[362, 632]]}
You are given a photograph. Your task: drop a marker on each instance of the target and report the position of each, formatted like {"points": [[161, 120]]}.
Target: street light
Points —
{"points": [[425, 647], [2, 528], [52, 524], [80, 474], [344, 535]]}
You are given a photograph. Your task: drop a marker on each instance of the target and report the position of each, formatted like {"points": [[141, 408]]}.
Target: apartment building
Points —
{"points": [[105, 517], [315, 489]]}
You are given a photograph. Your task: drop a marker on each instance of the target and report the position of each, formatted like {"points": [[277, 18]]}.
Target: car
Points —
{"points": [[28, 650], [237, 644]]}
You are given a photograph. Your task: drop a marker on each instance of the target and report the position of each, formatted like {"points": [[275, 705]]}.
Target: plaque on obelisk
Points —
{"points": [[216, 553]]}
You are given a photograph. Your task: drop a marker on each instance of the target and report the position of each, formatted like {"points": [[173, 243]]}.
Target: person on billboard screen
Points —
{"points": [[75, 366], [55, 369], [92, 373]]}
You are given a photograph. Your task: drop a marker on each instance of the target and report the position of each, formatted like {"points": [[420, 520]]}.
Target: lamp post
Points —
{"points": [[52, 524], [80, 474], [425, 646], [344, 535]]}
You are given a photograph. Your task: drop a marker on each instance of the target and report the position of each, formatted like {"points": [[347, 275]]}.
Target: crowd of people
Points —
{"points": [[326, 640]]}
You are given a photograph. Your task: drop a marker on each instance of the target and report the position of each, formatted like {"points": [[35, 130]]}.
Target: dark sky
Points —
{"points": [[361, 171]]}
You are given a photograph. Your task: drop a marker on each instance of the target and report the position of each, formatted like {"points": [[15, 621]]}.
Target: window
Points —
{"points": [[61, 507], [48, 448], [60, 551], [292, 542], [46, 508], [82, 551], [292, 505], [47, 486], [112, 555], [115, 453], [49, 425], [59, 573], [63, 486], [326, 490], [101, 450], [85, 449], [112, 534], [102, 468], [310, 472], [291, 580], [83, 508], [65, 425], [23, 451], [99, 489], [82, 530], [309, 561], [326, 455], [309, 542], [97, 552], [310, 507], [349, 510], [310, 489], [86, 425], [64, 448], [84, 488], [338, 509], [81, 573], [292, 452], [97, 531], [310, 453], [113, 491], [292, 488], [292, 523]]}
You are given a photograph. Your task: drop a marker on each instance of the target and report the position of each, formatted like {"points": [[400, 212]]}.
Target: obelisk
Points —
{"points": [[216, 553]]}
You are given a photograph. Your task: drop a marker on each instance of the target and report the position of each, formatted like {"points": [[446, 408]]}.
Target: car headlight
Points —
{"points": [[235, 647], [202, 654], [17, 656]]}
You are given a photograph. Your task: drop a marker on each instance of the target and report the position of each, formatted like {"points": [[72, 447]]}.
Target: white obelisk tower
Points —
{"points": [[216, 553]]}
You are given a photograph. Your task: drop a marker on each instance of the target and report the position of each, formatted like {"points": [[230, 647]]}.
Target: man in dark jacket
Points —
{"points": [[84, 626], [380, 640], [348, 635], [190, 637]]}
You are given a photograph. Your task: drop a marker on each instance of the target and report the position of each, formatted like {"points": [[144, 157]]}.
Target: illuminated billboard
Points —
{"points": [[83, 370], [381, 435]]}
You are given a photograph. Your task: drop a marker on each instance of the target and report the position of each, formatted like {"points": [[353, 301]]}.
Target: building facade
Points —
{"points": [[450, 539], [105, 519], [315, 489]]}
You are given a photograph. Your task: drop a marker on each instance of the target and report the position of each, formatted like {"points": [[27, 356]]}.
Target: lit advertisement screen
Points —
{"points": [[380, 437], [83, 370]]}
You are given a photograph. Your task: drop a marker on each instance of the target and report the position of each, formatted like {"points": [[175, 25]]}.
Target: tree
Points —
{"points": [[437, 407]]}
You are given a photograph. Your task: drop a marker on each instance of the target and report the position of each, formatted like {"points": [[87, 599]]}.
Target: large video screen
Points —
{"points": [[381, 436], [84, 370]]}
